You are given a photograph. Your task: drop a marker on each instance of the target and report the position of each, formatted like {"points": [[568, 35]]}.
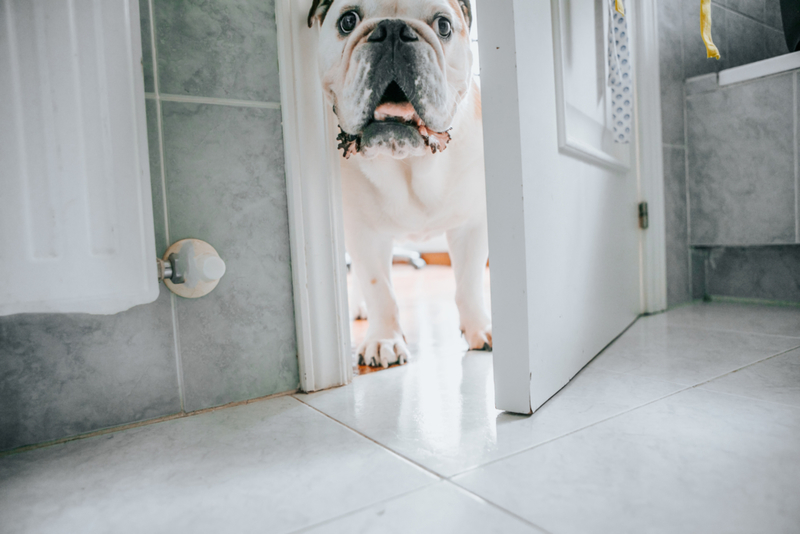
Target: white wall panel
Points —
{"points": [[76, 222]]}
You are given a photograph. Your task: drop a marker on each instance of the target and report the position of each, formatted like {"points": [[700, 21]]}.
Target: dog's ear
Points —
{"points": [[318, 11], [466, 7]]}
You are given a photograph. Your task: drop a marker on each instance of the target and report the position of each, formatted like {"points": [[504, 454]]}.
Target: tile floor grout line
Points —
{"points": [[728, 331], [517, 453], [362, 509], [176, 344], [623, 373], [752, 399], [684, 388], [410, 492], [498, 507], [706, 381], [139, 424], [762, 360], [381, 445]]}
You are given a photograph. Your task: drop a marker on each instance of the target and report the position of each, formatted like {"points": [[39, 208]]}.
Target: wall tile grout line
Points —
{"points": [[796, 167], [160, 128], [686, 184], [188, 99], [744, 15], [689, 260]]}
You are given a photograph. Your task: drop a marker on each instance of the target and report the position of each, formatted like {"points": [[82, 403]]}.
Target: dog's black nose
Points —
{"points": [[393, 30]]}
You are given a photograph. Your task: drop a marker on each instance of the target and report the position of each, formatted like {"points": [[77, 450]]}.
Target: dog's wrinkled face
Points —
{"points": [[395, 70]]}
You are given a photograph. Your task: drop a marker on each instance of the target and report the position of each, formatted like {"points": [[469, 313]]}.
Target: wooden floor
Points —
{"points": [[428, 313]]}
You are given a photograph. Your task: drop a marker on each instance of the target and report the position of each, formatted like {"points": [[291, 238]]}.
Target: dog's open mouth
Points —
{"points": [[395, 110]]}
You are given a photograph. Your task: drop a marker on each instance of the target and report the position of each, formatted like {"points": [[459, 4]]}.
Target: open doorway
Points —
{"points": [[424, 284], [571, 265]]}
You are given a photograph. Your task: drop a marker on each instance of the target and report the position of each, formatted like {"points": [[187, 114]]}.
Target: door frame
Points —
{"points": [[313, 186], [314, 197]]}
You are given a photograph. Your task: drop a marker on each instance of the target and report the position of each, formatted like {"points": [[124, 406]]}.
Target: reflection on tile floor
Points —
{"points": [[428, 314], [690, 422]]}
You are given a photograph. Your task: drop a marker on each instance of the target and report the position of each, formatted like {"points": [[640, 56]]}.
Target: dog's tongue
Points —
{"points": [[403, 111]]}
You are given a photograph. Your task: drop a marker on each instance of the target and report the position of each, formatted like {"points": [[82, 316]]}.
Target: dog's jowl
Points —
{"points": [[398, 74]]}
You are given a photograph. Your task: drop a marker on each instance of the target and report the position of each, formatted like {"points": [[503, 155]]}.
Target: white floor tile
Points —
{"points": [[440, 413], [697, 461], [653, 348], [752, 318], [775, 380], [268, 467], [440, 509]]}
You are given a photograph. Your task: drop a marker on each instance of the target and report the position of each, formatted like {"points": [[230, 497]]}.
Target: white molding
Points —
{"points": [[315, 209], [759, 69], [650, 158], [574, 128]]}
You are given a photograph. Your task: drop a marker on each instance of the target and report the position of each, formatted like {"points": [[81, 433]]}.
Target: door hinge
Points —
{"points": [[644, 218]]}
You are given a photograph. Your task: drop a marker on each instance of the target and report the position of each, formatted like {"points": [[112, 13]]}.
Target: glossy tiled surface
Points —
{"points": [[740, 172], [226, 186], [147, 46], [741, 163], [65, 374], [767, 273], [694, 462], [439, 412], [271, 466], [689, 422], [677, 226], [739, 318], [220, 49], [440, 508], [69, 374], [670, 50], [776, 379], [686, 355]]}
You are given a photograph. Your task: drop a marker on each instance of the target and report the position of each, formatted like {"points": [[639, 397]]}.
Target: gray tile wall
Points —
{"points": [[744, 31], [764, 273], [671, 65], [223, 181], [741, 163]]}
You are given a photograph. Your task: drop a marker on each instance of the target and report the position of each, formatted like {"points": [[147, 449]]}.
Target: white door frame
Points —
{"points": [[647, 77], [315, 206], [313, 190]]}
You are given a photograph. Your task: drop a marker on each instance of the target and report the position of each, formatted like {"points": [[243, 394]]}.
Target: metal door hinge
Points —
{"points": [[644, 218]]}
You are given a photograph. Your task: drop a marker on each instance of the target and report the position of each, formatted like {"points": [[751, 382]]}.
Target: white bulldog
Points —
{"points": [[399, 76]]}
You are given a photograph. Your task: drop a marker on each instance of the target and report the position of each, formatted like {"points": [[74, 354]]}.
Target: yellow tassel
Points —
{"points": [[705, 28], [619, 7]]}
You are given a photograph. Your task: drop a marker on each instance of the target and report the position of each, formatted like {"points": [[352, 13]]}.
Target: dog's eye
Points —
{"points": [[348, 22], [444, 27]]}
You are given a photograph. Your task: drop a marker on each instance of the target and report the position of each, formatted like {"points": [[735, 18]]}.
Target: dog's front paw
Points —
{"points": [[479, 337], [383, 352]]}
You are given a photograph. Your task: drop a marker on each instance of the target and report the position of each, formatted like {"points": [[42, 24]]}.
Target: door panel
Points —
{"points": [[562, 197]]}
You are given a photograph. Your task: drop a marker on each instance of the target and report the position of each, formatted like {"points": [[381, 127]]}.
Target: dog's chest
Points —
{"points": [[414, 197]]}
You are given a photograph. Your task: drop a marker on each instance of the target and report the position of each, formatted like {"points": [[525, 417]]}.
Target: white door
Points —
{"points": [[563, 221]]}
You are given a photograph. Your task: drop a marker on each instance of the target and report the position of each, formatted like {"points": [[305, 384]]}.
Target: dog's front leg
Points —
{"points": [[384, 343], [469, 251]]}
